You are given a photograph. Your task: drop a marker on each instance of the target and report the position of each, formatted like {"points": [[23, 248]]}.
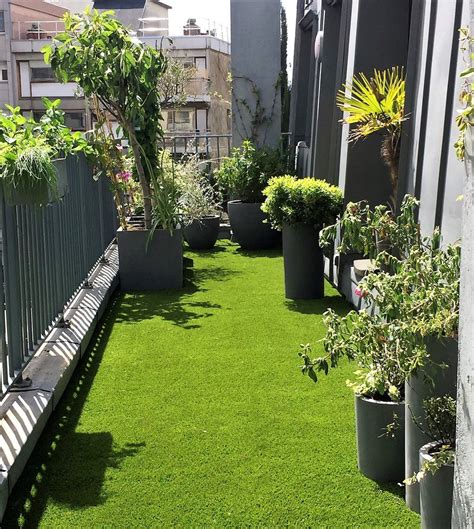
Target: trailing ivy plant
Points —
{"points": [[99, 54], [290, 200], [440, 427]]}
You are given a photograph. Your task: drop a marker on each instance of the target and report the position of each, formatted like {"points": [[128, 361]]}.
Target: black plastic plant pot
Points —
{"points": [[158, 266], [436, 492], [303, 261], [380, 450], [202, 234], [433, 380], [248, 226]]}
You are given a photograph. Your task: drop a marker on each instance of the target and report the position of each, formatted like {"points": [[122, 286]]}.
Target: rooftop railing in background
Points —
{"points": [[47, 254], [210, 148]]}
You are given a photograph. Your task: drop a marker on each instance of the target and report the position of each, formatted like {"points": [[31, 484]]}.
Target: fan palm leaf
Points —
{"points": [[375, 103]]}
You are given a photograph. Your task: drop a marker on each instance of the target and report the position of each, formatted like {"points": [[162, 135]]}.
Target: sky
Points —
{"points": [[219, 11]]}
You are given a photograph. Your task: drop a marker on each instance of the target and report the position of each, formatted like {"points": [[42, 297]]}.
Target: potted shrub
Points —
{"points": [[424, 294], [200, 206], [119, 74], [436, 463], [300, 208], [32, 155], [379, 348], [243, 177]]}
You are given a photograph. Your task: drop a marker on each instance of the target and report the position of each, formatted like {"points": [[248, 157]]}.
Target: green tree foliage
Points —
{"points": [[97, 52]]}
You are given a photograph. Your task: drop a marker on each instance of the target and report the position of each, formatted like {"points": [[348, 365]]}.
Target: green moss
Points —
{"points": [[178, 419]]}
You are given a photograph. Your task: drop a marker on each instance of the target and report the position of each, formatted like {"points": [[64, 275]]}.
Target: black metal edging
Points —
{"points": [[448, 116]]}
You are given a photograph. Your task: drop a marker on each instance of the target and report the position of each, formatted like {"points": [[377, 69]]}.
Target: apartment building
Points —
{"points": [[28, 25]]}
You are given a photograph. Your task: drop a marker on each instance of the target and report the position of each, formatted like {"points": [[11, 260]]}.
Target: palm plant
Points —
{"points": [[376, 104]]}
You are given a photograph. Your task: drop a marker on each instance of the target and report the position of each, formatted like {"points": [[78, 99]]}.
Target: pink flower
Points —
{"points": [[124, 176], [361, 293]]}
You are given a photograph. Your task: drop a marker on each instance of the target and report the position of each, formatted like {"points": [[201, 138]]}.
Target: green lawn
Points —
{"points": [[190, 411]]}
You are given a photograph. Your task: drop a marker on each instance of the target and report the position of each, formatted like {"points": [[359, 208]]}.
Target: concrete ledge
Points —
{"points": [[24, 413]]}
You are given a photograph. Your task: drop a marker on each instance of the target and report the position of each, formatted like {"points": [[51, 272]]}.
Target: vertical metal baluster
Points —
{"points": [[12, 291], [23, 286], [3, 343]]}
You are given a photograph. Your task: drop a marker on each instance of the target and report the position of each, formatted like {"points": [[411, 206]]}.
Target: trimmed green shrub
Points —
{"points": [[307, 200]]}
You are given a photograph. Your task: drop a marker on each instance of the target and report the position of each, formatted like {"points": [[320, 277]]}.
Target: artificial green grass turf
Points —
{"points": [[191, 412]]}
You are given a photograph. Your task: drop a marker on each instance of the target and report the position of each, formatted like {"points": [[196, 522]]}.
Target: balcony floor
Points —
{"points": [[190, 412]]}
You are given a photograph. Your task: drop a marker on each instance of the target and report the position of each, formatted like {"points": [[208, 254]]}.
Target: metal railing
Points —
{"points": [[47, 254], [210, 147], [36, 29]]}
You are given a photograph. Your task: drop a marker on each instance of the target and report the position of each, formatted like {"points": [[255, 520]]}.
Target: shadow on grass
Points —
{"points": [[270, 253], [68, 467], [319, 306], [175, 306], [393, 488]]}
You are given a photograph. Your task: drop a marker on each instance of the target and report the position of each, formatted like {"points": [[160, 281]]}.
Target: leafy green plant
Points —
{"points": [[370, 231], [376, 104], [440, 427], [28, 149], [246, 172], [198, 197], [423, 291], [384, 352], [307, 200], [111, 65]]}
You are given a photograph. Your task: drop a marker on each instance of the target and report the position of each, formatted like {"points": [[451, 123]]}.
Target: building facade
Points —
{"points": [[26, 26]]}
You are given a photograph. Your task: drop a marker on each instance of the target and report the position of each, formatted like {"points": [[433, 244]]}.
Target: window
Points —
{"points": [[2, 21], [4, 75], [43, 74], [200, 63], [75, 120], [180, 120]]}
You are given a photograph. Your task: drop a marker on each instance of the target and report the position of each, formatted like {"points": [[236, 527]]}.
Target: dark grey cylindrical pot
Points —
{"points": [[156, 267], [248, 226], [380, 456], [431, 381], [202, 234], [303, 261], [436, 493]]}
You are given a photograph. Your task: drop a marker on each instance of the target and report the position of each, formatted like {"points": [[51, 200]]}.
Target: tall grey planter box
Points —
{"points": [[436, 493], [158, 266], [432, 381], [380, 455], [303, 262]]}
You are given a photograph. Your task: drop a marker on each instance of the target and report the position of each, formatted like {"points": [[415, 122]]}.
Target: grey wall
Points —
{"points": [[463, 508], [255, 30], [381, 41], [428, 166]]}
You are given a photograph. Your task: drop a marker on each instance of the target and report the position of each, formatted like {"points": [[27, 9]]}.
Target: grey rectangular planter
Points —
{"points": [[157, 266]]}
